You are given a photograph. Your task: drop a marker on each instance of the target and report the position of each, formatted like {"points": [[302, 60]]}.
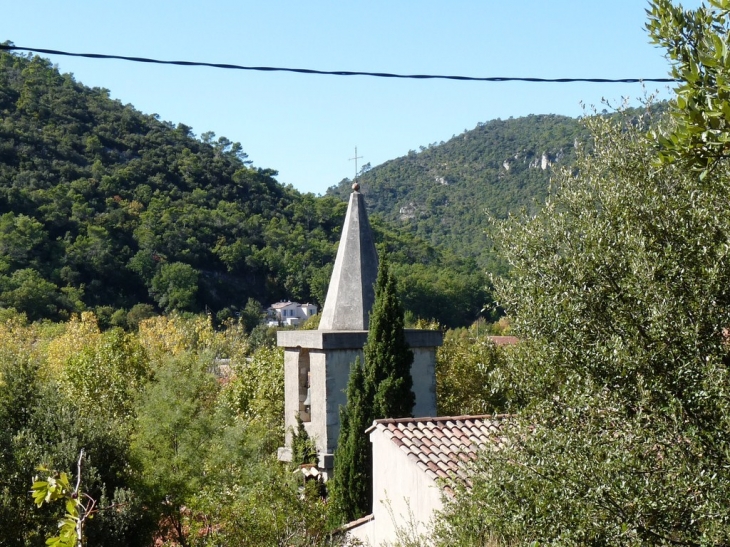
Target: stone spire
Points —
{"points": [[351, 292]]}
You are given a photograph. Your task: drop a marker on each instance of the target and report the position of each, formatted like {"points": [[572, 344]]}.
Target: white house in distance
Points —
{"points": [[290, 313]]}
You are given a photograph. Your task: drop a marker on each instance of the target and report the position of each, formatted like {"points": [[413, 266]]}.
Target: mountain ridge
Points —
{"points": [[446, 193]]}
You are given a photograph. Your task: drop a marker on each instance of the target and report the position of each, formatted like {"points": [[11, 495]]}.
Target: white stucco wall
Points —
{"points": [[403, 495]]}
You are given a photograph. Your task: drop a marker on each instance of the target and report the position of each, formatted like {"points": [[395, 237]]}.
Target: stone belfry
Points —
{"points": [[317, 362]]}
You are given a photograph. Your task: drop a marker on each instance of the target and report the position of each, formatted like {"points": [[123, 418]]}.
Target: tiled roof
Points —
{"points": [[442, 447], [504, 340]]}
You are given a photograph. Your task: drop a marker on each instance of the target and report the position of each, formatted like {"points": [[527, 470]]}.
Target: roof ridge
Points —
{"points": [[384, 421]]}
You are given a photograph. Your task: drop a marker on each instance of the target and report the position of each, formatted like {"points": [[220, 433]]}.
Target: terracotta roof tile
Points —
{"points": [[504, 340], [442, 447]]}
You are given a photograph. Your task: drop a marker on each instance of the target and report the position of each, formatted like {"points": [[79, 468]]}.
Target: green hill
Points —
{"points": [[443, 191], [446, 192], [103, 207]]}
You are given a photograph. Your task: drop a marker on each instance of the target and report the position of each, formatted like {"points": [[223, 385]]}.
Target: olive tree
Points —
{"points": [[620, 293]]}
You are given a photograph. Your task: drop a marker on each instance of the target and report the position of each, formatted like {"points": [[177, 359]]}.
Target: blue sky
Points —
{"points": [[307, 127]]}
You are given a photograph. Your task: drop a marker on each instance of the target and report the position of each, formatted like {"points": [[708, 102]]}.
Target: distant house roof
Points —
{"points": [[280, 305], [504, 340], [442, 446]]}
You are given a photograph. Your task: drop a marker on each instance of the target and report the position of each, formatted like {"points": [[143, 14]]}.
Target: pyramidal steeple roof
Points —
{"points": [[351, 292]]}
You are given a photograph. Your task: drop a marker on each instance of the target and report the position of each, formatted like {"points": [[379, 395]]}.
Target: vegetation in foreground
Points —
{"points": [[179, 424], [174, 453]]}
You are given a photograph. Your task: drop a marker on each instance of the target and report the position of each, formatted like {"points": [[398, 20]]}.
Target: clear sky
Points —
{"points": [[307, 127]]}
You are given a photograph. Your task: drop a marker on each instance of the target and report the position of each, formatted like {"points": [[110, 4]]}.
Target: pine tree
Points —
{"points": [[381, 387]]}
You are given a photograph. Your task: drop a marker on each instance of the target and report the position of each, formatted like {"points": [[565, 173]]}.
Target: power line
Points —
{"points": [[342, 72]]}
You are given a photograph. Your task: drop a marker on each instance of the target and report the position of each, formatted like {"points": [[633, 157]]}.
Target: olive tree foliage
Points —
{"points": [[620, 293], [696, 42]]}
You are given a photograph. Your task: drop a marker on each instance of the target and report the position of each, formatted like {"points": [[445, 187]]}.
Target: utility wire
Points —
{"points": [[8, 47]]}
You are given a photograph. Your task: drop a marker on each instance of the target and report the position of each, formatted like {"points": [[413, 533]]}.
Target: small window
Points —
{"points": [[305, 409]]}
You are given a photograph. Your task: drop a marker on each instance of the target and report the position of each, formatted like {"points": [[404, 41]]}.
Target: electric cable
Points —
{"points": [[8, 47]]}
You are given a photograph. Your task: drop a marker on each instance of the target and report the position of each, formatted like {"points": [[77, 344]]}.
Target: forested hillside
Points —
{"points": [[445, 192], [103, 207]]}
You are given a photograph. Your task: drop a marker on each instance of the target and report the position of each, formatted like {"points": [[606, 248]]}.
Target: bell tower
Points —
{"points": [[317, 363]]}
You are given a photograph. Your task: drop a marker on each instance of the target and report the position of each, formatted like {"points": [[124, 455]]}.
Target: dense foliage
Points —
{"points": [[447, 192], [442, 192], [101, 205], [696, 44], [468, 365], [174, 454], [619, 291]]}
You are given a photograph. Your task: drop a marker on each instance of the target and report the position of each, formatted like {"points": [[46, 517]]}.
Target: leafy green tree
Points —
{"points": [[696, 42], [256, 392], [620, 295], [78, 505], [20, 237], [19, 395], [273, 509], [174, 431], [252, 314], [138, 313], [28, 292], [175, 286], [42, 427], [467, 375], [207, 452], [106, 378]]}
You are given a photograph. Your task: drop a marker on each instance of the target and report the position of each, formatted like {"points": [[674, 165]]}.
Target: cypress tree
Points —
{"points": [[388, 358], [381, 387]]}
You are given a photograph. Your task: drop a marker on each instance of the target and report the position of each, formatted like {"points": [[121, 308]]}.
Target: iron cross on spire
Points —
{"points": [[356, 158]]}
